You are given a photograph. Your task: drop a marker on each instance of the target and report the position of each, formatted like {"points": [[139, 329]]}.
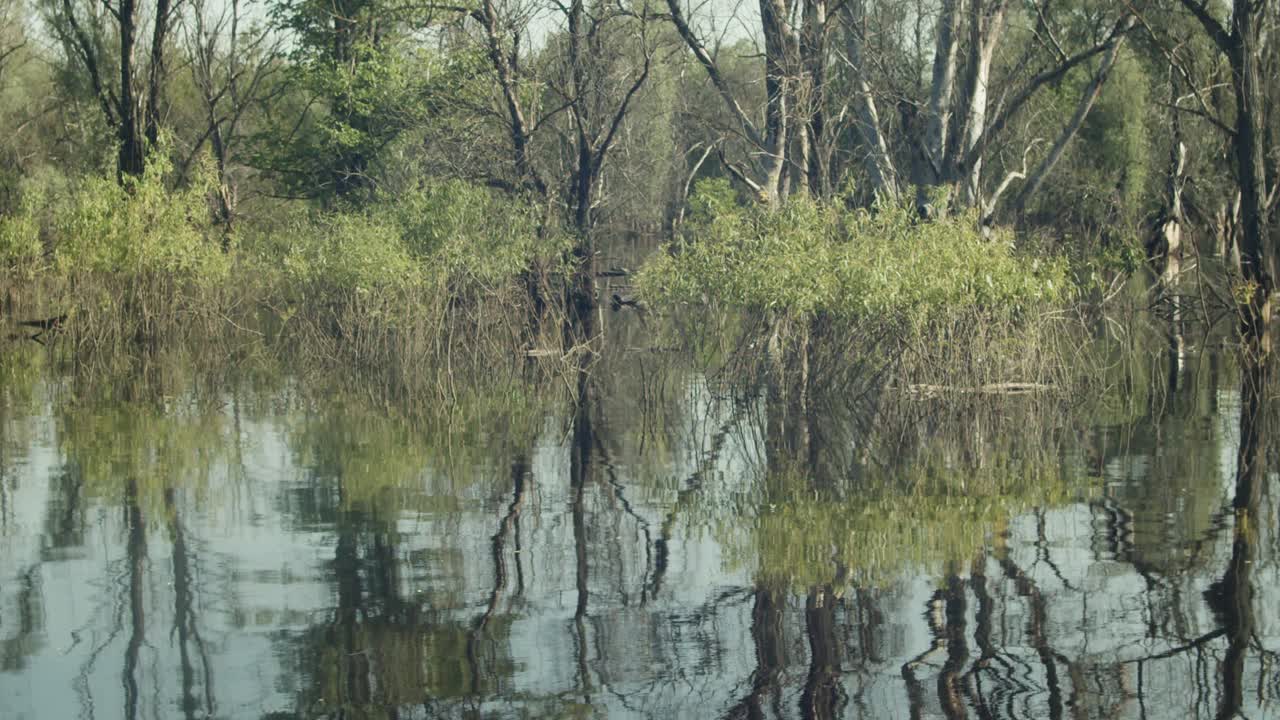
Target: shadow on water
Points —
{"points": [[646, 539]]}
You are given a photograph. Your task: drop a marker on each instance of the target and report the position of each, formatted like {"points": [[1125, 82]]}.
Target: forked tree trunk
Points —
{"points": [[879, 165], [933, 163]]}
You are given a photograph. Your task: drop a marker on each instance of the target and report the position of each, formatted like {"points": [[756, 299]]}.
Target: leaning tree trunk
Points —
{"points": [[1073, 126]]}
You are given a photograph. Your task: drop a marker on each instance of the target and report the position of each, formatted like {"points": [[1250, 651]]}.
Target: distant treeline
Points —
{"points": [[1089, 125]]}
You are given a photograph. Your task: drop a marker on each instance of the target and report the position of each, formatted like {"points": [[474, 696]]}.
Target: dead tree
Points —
{"points": [[590, 98], [764, 170], [231, 66]]}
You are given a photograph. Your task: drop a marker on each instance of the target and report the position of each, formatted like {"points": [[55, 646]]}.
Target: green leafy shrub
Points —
{"points": [[356, 252], [22, 229], [807, 258], [399, 283], [19, 239], [137, 228], [451, 234], [469, 235]]}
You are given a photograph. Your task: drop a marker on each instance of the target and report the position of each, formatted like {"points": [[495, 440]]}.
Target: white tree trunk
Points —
{"points": [[879, 166], [944, 75], [985, 34]]}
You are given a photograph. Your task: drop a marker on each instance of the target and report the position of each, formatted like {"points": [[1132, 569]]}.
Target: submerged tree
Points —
{"points": [[1243, 40], [589, 91]]}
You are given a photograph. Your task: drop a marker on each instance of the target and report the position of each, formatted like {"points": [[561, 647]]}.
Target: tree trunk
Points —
{"points": [[988, 22], [157, 72], [1164, 248], [132, 158], [779, 66], [1243, 46], [813, 48], [933, 170], [1257, 256], [822, 697], [519, 127], [878, 163]]}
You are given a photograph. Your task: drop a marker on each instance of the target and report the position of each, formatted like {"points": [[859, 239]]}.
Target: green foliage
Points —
{"points": [[372, 83], [446, 235], [164, 449], [470, 235], [1108, 170], [1116, 133], [345, 251], [712, 198], [138, 228], [807, 258], [922, 516], [20, 235]]}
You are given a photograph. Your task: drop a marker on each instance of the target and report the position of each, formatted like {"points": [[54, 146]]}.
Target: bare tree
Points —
{"points": [[131, 110], [764, 172], [502, 42], [589, 96], [231, 66]]}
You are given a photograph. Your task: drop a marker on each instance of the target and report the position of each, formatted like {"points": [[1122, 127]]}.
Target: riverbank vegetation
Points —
{"points": [[408, 189]]}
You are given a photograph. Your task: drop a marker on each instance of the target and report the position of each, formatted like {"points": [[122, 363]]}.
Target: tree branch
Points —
{"points": [[713, 72], [1216, 31], [997, 125]]}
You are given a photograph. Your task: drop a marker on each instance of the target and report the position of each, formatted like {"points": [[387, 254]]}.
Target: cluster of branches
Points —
{"points": [[595, 104]]}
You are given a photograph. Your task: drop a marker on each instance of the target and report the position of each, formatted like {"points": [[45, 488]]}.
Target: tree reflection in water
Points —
{"points": [[768, 553]]}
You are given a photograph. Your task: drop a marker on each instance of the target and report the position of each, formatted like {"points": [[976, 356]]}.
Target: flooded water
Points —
{"points": [[655, 552]]}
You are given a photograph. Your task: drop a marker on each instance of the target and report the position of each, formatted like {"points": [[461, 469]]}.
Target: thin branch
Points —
{"points": [[1122, 26]]}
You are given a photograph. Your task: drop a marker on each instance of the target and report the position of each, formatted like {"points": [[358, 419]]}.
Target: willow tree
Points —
{"points": [[362, 77]]}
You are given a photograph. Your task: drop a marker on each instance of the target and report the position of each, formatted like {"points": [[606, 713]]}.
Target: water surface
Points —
{"points": [[664, 549]]}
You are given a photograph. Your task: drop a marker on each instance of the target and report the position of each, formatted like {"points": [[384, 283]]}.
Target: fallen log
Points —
{"points": [[1007, 388]]}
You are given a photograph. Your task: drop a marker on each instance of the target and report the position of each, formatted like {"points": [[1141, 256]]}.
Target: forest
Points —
{"points": [[367, 165], [639, 358]]}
